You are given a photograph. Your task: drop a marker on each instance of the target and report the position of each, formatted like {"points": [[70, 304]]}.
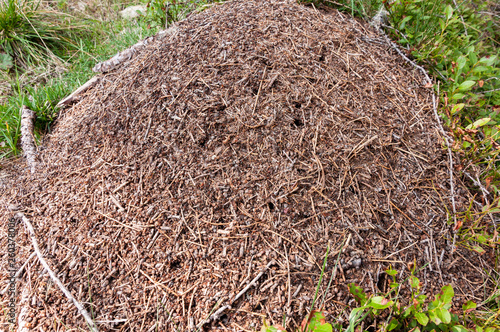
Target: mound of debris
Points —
{"points": [[199, 184]]}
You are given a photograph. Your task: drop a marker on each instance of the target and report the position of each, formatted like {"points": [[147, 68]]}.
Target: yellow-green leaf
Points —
{"points": [[466, 85]]}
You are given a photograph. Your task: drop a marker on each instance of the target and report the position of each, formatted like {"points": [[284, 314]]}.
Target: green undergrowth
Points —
{"points": [[393, 312]]}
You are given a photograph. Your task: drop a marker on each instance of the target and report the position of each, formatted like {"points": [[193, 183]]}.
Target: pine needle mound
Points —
{"points": [[254, 134]]}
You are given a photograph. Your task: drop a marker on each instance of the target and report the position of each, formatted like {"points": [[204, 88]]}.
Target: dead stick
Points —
{"points": [[132, 51], [81, 309], [216, 315], [74, 95], [27, 140]]}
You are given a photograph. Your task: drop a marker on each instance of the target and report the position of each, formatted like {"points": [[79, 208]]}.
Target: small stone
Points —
{"points": [[133, 12]]}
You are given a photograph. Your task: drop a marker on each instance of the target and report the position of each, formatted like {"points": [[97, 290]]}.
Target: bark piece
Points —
{"points": [[27, 139]]}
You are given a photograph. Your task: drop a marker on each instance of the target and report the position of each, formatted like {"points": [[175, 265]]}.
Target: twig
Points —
{"points": [[27, 140], [130, 52], [461, 17], [21, 319], [485, 193], [81, 309], [218, 314], [75, 94], [258, 92], [334, 273]]}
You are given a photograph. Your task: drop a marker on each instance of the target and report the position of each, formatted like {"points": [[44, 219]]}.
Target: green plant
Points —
{"points": [[459, 45], [475, 228], [457, 42], [161, 13], [417, 314]]}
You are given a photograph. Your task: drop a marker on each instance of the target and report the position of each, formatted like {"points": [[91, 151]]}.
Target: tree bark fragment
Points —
{"points": [[27, 138]]}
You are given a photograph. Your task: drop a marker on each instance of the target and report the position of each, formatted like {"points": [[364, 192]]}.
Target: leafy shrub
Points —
{"points": [[395, 313]]}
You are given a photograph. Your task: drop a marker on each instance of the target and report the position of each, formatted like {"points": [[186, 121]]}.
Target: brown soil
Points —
{"points": [[254, 135]]}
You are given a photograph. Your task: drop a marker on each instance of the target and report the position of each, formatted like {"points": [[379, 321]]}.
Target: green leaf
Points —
{"points": [[448, 11], [447, 294], [358, 293], [379, 302], [421, 298], [469, 306], [480, 68], [459, 328], [391, 272], [403, 22], [457, 96], [473, 57], [466, 85], [323, 328], [393, 285], [6, 61], [433, 316], [317, 323], [478, 249], [461, 61], [457, 108], [488, 61], [422, 318], [443, 315], [481, 239], [267, 328], [355, 314], [393, 324], [441, 24], [414, 282], [478, 123]]}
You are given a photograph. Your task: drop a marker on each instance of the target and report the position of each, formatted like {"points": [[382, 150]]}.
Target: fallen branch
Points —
{"points": [[130, 52], [27, 139], [81, 309], [218, 314], [76, 94]]}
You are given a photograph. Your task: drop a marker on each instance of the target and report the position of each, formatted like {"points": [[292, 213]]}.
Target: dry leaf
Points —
{"points": [[488, 181]]}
